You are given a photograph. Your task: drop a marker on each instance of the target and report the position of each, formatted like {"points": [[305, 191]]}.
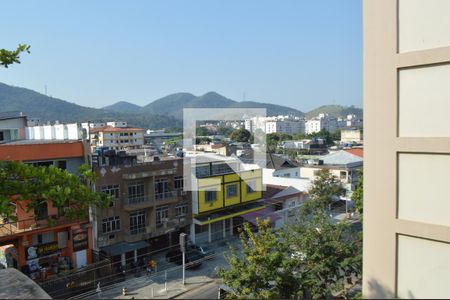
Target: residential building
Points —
{"points": [[276, 124], [352, 136], [406, 251], [149, 210], [12, 126], [342, 164], [34, 244], [221, 195], [321, 122], [310, 145], [116, 136], [285, 126], [350, 121]]}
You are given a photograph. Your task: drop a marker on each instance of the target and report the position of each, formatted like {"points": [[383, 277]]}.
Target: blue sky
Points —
{"points": [[296, 53]]}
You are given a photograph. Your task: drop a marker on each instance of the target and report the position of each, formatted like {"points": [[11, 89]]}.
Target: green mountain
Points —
{"points": [[336, 111], [123, 106], [46, 108], [173, 105]]}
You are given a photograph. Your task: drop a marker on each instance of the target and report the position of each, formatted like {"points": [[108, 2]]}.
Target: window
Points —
{"points": [[231, 190], [137, 222], [343, 175], [181, 210], [42, 163], [43, 238], [111, 224], [41, 211], [161, 214], [62, 164], [161, 188], [251, 187], [113, 191], [178, 182], [210, 196], [136, 192]]}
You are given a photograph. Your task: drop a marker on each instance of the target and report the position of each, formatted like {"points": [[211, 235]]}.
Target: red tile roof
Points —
{"points": [[356, 151]]}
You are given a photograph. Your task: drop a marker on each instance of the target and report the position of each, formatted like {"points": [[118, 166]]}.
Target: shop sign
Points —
{"points": [[41, 250], [80, 240]]}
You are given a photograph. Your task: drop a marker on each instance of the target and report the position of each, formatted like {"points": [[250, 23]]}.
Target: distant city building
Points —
{"points": [[351, 136], [278, 124], [116, 138], [321, 122]]}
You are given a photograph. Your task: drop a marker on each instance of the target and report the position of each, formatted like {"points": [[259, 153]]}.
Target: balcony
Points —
{"points": [[172, 195], [11, 228], [137, 202]]}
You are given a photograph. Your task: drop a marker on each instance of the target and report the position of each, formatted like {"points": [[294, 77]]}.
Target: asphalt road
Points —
{"points": [[208, 291]]}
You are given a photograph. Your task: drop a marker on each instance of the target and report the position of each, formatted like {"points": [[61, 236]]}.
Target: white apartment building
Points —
{"points": [[321, 122], [277, 124]]}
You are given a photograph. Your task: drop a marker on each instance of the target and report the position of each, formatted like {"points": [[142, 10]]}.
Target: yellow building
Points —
{"points": [[222, 196]]}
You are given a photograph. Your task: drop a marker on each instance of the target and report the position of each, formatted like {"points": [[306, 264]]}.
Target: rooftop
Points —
{"points": [[38, 142], [114, 129], [11, 115], [16, 285]]}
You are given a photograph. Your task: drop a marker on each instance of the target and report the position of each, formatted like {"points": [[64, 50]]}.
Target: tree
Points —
{"points": [[324, 190], [9, 57], [264, 270], [326, 254], [240, 135], [312, 258], [201, 131], [31, 187], [358, 194]]}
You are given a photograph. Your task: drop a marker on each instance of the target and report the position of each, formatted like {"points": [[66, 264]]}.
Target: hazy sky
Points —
{"points": [[297, 53]]}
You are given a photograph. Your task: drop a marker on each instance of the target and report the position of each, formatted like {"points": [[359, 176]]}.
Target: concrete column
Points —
{"points": [[122, 259], [224, 228], [135, 256], [209, 231], [231, 226]]}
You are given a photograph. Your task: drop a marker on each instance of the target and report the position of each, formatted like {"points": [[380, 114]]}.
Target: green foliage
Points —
{"points": [[273, 139], [326, 254], [263, 271], [32, 185], [358, 194], [225, 131], [336, 111], [9, 57], [201, 131], [240, 135], [312, 258], [325, 188]]}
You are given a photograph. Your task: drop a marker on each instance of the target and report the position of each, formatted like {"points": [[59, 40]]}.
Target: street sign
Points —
{"points": [[183, 242]]}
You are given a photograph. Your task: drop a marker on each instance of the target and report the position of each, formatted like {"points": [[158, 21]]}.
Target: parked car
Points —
{"points": [[193, 257], [207, 252]]}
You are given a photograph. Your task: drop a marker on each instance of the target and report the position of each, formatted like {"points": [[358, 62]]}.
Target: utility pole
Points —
{"points": [[183, 251]]}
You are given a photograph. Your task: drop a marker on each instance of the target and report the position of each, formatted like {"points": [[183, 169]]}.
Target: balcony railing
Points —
{"points": [[133, 200], [8, 228], [165, 195]]}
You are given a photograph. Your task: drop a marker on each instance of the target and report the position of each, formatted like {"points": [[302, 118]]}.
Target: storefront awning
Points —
{"points": [[123, 247], [228, 213]]}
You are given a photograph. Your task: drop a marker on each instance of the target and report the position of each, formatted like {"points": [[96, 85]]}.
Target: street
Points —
{"points": [[200, 282], [208, 291]]}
